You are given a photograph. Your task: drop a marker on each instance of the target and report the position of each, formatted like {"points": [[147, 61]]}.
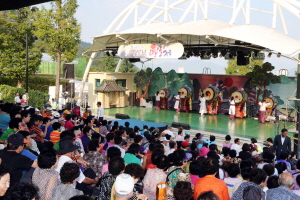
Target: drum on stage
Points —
{"points": [[271, 100], [211, 92], [164, 98], [185, 98], [240, 96]]}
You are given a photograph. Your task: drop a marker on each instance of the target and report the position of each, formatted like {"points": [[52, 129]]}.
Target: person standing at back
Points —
{"points": [[282, 143], [100, 112]]}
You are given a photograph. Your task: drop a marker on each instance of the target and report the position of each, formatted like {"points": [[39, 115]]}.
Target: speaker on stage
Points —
{"points": [[175, 124], [69, 71], [241, 59], [185, 126], [118, 116], [125, 116]]}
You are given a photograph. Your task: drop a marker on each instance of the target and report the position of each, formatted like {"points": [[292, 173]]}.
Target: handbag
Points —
{"points": [[161, 191]]}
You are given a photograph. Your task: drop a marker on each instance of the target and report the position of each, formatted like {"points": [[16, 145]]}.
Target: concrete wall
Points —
{"points": [[93, 97]]}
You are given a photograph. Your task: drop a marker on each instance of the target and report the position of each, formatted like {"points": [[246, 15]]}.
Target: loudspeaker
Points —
{"points": [[125, 116], [133, 60], [131, 99], [298, 86], [161, 129], [69, 71], [118, 116], [185, 126], [175, 124], [70, 88], [241, 60]]}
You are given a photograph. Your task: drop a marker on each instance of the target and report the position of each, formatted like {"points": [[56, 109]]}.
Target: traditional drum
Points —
{"points": [[212, 93], [164, 98]]}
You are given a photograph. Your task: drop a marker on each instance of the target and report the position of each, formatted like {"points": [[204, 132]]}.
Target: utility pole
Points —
{"points": [[26, 62]]}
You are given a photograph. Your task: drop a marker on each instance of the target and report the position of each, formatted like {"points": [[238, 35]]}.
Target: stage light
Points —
{"points": [[107, 53], [113, 53], [256, 53], [278, 55], [269, 55], [233, 52], [230, 55], [208, 53], [246, 54], [214, 54], [223, 53], [196, 53]]}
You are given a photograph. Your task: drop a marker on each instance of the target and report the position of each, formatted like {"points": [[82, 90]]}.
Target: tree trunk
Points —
{"points": [[57, 75], [146, 91], [265, 91], [19, 83], [137, 92], [257, 96]]}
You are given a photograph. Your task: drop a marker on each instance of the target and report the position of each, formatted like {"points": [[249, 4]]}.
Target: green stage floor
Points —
{"points": [[248, 127]]}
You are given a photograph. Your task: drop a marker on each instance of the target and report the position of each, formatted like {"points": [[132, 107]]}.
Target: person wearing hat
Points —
{"points": [[76, 110], [37, 111], [11, 156], [123, 187], [47, 112], [88, 112], [185, 146], [67, 149], [27, 144], [62, 122]]}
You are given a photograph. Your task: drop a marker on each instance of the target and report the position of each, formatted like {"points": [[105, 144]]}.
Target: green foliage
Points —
{"points": [[82, 47], [60, 31], [37, 99], [109, 63], [173, 81], [14, 25], [234, 69], [142, 81], [36, 83]]}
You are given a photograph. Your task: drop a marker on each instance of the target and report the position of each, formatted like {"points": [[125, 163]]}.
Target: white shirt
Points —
{"points": [[282, 140], [169, 133], [157, 97], [62, 160], [167, 149], [179, 138], [237, 148], [263, 106], [100, 112], [17, 99], [169, 152]]}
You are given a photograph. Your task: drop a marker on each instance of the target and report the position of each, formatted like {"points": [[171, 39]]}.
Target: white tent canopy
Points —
{"points": [[202, 32]]}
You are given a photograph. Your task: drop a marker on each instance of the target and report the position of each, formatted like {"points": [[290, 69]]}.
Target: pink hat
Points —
{"points": [[203, 151]]}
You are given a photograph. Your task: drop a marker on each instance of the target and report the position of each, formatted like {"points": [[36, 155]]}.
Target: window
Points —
{"points": [[121, 82], [97, 83]]}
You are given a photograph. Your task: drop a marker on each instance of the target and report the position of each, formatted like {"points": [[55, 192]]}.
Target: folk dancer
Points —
{"points": [[157, 100], [262, 111], [232, 108], [177, 102], [203, 108]]}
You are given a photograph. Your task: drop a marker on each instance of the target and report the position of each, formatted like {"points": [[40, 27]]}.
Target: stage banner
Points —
{"points": [[172, 50]]}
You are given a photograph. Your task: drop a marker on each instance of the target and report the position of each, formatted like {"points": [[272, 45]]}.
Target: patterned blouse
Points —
{"points": [[45, 180], [151, 179], [96, 161], [64, 192]]}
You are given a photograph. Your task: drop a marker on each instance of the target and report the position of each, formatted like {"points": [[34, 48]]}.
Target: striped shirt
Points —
{"points": [[230, 182], [54, 137]]}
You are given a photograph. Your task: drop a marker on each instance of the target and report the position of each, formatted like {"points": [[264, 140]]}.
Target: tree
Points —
{"points": [[127, 66], [159, 83], [14, 25], [234, 69], [261, 77], [142, 80], [59, 29]]}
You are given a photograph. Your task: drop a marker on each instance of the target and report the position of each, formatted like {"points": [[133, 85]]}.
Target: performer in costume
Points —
{"points": [[232, 108], [176, 106], [262, 111], [212, 93], [203, 109], [240, 98], [157, 100]]}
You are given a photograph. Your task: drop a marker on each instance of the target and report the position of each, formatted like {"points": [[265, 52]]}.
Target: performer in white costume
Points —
{"points": [[176, 105], [203, 109], [232, 108]]}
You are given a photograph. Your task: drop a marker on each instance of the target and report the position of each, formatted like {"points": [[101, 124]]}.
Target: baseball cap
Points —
{"points": [[37, 110], [56, 114], [48, 109], [185, 144], [61, 119], [29, 107], [66, 112], [124, 184], [15, 139], [168, 127]]}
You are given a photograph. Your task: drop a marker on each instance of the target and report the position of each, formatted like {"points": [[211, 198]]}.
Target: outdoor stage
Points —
{"points": [[220, 124]]}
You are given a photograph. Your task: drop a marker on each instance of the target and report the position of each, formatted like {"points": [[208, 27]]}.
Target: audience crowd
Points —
{"points": [[52, 154]]}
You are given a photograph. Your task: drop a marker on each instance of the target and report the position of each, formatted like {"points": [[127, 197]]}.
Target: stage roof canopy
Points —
{"points": [[205, 33]]}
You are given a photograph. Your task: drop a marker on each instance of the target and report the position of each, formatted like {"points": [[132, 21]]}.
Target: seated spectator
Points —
{"points": [[211, 140], [233, 156], [244, 154], [172, 146], [272, 182], [233, 172], [14, 126], [69, 174], [283, 158], [227, 142], [195, 171], [4, 180], [183, 191], [46, 123], [86, 138], [111, 153], [269, 169], [154, 175], [253, 187], [293, 160], [115, 167], [81, 197], [176, 172], [208, 196], [281, 167], [245, 173], [204, 150], [44, 176], [131, 154], [298, 182], [94, 158], [11, 156], [286, 182], [209, 182], [236, 146], [109, 142], [256, 146], [124, 186], [179, 137], [295, 173], [268, 158], [24, 191], [55, 134], [103, 128], [27, 144], [118, 143], [68, 123]]}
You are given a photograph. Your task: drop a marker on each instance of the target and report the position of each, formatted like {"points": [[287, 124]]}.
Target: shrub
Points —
{"points": [[36, 99]]}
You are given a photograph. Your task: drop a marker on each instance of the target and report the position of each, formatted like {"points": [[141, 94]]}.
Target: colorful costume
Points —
{"points": [[203, 108], [240, 98], [177, 101], [262, 112], [232, 109], [212, 93]]}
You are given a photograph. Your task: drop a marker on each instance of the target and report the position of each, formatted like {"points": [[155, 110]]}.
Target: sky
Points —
{"points": [[96, 15]]}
